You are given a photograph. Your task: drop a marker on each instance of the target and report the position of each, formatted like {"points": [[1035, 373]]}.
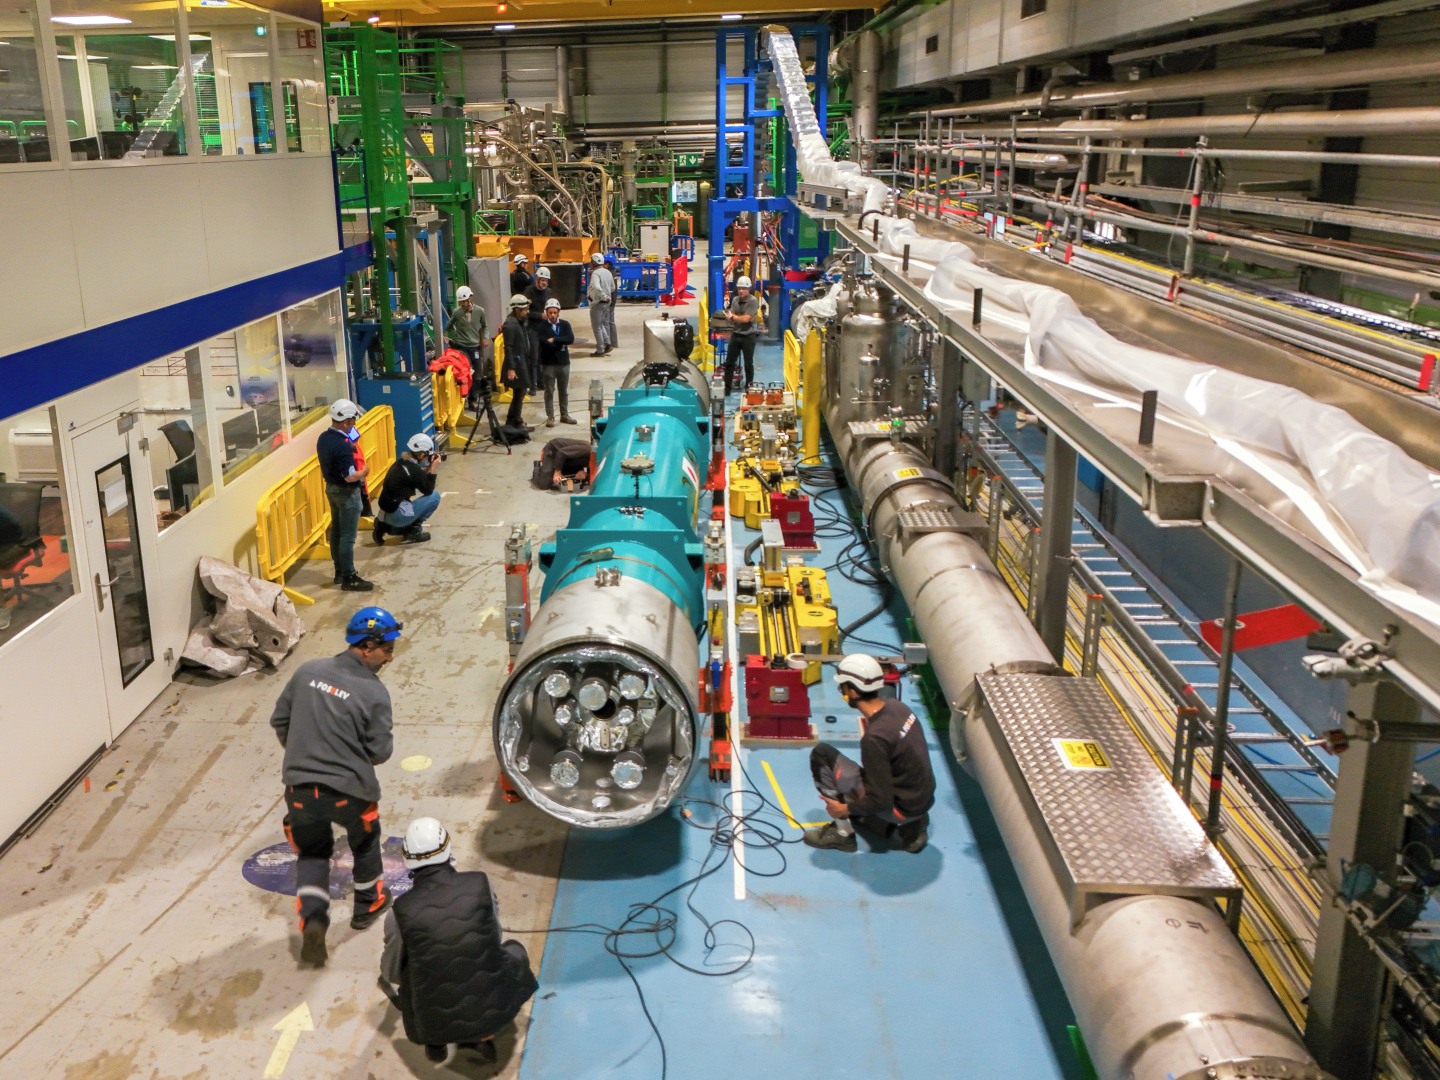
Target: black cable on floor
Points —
{"points": [[650, 918]]}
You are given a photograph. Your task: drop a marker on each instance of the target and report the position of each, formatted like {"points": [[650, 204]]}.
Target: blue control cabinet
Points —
{"points": [[411, 396]]}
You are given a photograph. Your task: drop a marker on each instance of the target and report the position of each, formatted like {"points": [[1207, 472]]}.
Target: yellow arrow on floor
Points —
{"points": [[290, 1027]]}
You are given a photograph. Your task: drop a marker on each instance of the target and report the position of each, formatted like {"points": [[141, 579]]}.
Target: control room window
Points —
{"points": [[1032, 7], [316, 374], [932, 44], [302, 78], [230, 48], [124, 91], [244, 371], [172, 405], [35, 571], [23, 135]]}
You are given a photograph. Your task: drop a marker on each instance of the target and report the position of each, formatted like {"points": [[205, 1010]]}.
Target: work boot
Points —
{"points": [[363, 916], [914, 835], [598, 352], [379, 534], [828, 836], [550, 421], [568, 420], [312, 940], [414, 535], [356, 583]]}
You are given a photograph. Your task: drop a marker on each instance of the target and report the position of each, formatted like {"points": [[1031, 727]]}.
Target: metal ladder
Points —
{"points": [[1274, 740]]}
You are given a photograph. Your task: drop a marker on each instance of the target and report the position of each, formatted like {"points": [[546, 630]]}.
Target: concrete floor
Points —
{"points": [[136, 946]]}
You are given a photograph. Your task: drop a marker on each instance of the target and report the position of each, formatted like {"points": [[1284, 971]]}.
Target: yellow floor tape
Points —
{"points": [[785, 806]]}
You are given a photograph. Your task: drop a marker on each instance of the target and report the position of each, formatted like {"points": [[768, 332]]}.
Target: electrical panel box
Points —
{"points": [[655, 241], [411, 396]]}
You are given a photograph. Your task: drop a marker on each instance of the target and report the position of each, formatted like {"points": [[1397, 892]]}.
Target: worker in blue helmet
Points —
{"points": [[333, 719]]}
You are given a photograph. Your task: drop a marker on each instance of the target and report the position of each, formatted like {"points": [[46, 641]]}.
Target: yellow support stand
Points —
{"points": [[811, 395]]}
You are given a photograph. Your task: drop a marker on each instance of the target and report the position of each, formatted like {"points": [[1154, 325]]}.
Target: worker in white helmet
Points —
{"points": [[515, 371], [408, 496], [345, 475], [892, 789], [601, 294], [468, 332], [520, 278], [445, 967], [746, 322], [539, 294]]}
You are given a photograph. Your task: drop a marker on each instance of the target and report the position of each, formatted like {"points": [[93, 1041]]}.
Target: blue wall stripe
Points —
{"points": [[32, 377]]}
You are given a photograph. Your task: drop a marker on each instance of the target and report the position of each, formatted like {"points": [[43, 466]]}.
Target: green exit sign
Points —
{"points": [[687, 161]]}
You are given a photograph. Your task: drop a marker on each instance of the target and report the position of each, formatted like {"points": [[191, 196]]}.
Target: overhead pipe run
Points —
{"points": [[1399, 63], [865, 91], [1417, 120]]}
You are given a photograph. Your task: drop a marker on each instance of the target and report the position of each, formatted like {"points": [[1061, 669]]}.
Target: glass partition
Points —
{"points": [[23, 137], [244, 373], [35, 572], [302, 74], [315, 367], [172, 401], [230, 48], [123, 89]]}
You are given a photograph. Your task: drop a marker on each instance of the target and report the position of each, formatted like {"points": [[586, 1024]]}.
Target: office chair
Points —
{"points": [[22, 501], [181, 439]]}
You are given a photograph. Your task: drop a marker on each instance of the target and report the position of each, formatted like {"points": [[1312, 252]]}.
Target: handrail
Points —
{"points": [[294, 515]]}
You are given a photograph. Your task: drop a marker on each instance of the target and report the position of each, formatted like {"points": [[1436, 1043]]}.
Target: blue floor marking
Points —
{"points": [[872, 965]]}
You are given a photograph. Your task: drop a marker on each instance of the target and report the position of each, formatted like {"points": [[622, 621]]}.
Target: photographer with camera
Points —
{"points": [[408, 495]]}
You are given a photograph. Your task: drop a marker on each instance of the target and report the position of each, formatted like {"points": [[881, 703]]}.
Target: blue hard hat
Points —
{"points": [[372, 622]]}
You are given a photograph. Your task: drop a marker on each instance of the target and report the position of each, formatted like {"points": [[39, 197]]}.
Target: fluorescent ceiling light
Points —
{"points": [[214, 3], [171, 37], [89, 56], [153, 67], [505, 26], [728, 18], [90, 20]]}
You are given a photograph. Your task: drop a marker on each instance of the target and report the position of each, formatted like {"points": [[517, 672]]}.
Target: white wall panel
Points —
{"points": [[241, 201], [100, 244], [139, 238], [39, 278], [482, 75], [530, 76]]}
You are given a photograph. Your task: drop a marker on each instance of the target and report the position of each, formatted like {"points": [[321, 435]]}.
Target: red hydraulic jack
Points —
{"points": [[797, 523], [777, 702], [715, 699]]}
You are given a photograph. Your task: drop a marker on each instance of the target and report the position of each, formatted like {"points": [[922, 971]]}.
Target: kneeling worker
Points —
{"points": [[333, 719], [408, 496], [893, 787], [445, 967]]}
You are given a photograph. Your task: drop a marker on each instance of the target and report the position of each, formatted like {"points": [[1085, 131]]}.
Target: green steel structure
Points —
{"points": [[400, 104]]}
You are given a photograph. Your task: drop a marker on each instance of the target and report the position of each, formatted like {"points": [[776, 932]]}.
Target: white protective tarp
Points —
{"points": [[1377, 508], [254, 625]]}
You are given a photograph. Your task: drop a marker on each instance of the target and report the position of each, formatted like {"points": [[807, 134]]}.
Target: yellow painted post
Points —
{"points": [[706, 356], [812, 394], [792, 365]]}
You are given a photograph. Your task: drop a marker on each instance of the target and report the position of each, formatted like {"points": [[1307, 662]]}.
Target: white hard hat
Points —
{"points": [[862, 671], [426, 844], [542, 271], [463, 293], [519, 301], [343, 409], [520, 259], [421, 443], [743, 283], [552, 303], [597, 259]]}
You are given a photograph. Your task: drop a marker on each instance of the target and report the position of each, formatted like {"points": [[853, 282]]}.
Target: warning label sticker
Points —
{"points": [[1082, 754], [907, 474]]}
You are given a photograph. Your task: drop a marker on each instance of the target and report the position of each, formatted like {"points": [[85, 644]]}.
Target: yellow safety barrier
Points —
{"points": [[792, 365], [449, 403], [294, 516], [704, 354], [811, 395]]}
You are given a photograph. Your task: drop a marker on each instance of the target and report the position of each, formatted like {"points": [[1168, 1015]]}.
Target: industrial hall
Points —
{"points": [[608, 540]]}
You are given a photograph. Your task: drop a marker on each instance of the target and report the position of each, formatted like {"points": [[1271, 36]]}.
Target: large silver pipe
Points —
{"points": [[601, 632], [1417, 120], [866, 82], [562, 81], [1153, 1004], [1397, 63]]}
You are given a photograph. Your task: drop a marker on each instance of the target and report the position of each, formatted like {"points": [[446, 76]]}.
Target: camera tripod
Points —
{"points": [[487, 412]]}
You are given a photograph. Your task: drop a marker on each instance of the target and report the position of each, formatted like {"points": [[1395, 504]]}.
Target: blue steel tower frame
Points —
{"points": [[754, 78]]}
